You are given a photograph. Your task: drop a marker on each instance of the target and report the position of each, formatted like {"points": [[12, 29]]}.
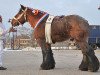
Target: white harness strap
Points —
{"points": [[48, 29]]}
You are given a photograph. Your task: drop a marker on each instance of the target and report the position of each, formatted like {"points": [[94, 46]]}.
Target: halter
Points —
{"points": [[24, 13]]}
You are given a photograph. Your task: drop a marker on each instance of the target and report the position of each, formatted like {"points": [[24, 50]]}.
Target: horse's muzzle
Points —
{"points": [[14, 22]]}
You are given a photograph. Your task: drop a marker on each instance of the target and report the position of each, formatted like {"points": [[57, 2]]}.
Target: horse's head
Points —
{"points": [[20, 17], [24, 15]]}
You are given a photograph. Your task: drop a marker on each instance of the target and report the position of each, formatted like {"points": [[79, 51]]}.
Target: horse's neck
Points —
{"points": [[33, 21]]}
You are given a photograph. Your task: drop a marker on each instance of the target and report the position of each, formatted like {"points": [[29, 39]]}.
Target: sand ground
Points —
{"points": [[28, 63]]}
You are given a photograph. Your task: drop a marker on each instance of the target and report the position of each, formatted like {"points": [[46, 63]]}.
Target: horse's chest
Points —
{"points": [[59, 37]]}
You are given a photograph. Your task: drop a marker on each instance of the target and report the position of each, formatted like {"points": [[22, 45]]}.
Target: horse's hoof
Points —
{"points": [[83, 69], [47, 66], [94, 64], [83, 66], [93, 69]]}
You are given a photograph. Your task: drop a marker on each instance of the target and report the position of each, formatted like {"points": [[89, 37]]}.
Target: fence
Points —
{"points": [[23, 43]]}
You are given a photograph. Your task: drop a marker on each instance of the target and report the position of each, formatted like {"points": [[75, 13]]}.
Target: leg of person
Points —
{"points": [[1, 53]]}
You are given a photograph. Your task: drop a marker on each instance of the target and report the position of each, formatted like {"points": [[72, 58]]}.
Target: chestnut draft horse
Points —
{"points": [[62, 28]]}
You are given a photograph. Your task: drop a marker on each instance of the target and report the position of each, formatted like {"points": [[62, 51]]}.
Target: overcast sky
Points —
{"points": [[85, 8]]}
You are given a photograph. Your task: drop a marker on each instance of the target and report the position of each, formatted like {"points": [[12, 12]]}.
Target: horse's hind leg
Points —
{"points": [[90, 61], [48, 59]]}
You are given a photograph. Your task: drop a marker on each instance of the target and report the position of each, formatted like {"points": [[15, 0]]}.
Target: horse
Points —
{"points": [[62, 28]]}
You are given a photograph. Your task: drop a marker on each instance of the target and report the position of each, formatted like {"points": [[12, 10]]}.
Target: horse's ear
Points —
{"points": [[23, 7]]}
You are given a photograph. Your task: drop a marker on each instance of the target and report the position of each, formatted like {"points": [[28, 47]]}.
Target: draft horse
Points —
{"points": [[62, 28]]}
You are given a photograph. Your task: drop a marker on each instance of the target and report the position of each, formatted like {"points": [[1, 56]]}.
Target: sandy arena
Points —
{"points": [[28, 63]]}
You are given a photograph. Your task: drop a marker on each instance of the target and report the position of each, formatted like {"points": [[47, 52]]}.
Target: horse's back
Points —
{"points": [[62, 22]]}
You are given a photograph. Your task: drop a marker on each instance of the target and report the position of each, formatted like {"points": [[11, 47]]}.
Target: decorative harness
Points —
{"points": [[41, 19], [48, 29]]}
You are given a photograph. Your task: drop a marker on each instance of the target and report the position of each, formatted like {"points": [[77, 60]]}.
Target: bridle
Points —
{"points": [[23, 13]]}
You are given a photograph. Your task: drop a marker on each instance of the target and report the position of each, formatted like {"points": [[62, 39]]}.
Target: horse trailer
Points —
{"points": [[94, 37]]}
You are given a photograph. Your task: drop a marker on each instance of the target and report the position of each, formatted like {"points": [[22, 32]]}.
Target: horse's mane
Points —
{"points": [[36, 9]]}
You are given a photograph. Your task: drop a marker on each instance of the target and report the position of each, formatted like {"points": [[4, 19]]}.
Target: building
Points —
{"points": [[19, 42]]}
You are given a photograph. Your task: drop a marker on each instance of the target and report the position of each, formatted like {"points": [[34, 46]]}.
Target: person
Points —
{"points": [[3, 31]]}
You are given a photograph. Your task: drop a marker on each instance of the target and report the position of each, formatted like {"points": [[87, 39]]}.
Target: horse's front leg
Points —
{"points": [[48, 59], [90, 61]]}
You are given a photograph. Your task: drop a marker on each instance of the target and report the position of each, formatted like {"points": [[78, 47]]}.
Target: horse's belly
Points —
{"points": [[58, 38]]}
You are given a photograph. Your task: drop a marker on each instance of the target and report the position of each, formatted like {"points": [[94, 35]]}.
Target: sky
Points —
{"points": [[87, 9]]}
